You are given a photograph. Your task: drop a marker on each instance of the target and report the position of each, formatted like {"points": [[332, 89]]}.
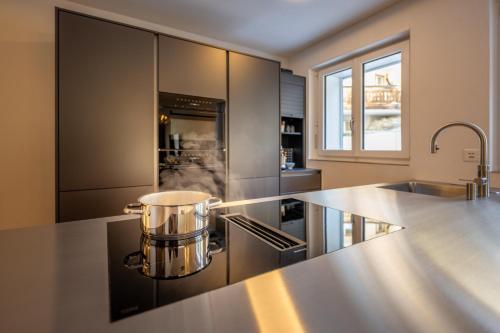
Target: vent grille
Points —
{"points": [[274, 237]]}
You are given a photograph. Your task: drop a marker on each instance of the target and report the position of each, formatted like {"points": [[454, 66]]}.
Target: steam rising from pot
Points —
{"points": [[195, 163]]}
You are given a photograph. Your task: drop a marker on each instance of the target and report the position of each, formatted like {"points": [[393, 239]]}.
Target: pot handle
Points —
{"points": [[213, 202], [214, 248], [133, 260], [130, 208]]}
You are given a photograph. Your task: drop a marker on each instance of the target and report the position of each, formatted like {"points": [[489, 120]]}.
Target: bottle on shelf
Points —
{"points": [[282, 158]]}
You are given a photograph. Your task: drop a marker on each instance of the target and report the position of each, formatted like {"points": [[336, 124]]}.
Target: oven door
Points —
{"points": [[191, 150], [190, 129]]}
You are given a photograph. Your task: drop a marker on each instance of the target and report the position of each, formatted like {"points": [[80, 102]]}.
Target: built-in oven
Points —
{"points": [[191, 143]]}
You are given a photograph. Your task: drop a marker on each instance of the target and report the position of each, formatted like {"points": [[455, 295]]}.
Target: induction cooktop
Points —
{"points": [[248, 240]]}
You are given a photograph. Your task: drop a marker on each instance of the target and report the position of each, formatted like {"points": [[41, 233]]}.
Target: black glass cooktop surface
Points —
{"points": [[241, 242]]}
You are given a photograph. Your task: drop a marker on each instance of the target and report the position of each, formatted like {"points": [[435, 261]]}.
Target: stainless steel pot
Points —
{"points": [[171, 259], [173, 214]]}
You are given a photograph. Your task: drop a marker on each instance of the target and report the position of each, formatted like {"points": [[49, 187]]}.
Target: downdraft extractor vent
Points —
{"points": [[274, 237]]}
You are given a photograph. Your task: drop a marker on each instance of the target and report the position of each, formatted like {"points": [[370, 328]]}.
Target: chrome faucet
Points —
{"points": [[483, 169]]}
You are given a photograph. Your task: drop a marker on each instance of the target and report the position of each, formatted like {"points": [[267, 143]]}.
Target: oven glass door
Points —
{"points": [[191, 150]]}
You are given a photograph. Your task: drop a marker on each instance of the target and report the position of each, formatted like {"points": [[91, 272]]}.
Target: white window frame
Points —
{"points": [[356, 64], [339, 67]]}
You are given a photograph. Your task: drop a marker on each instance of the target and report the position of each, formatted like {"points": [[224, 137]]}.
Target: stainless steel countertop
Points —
{"points": [[440, 274]]}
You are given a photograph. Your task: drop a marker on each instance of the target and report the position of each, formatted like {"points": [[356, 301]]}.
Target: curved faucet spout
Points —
{"points": [[483, 172], [478, 130]]}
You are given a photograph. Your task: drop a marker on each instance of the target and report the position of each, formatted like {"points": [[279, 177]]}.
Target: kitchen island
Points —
{"points": [[440, 274]]}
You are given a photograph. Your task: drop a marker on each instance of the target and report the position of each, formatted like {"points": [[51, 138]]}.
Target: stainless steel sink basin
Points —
{"points": [[428, 188]]}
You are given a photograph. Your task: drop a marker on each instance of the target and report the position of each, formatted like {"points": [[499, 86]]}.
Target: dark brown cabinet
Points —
{"points": [[293, 134], [292, 95], [107, 77], [106, 104], [292, 117], [252, 188], [253, 126], [191, 69], [303, 180], [85, 204]]}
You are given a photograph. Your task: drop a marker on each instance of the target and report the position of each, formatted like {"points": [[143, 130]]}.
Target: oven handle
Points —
{"points": [[194, 113]]}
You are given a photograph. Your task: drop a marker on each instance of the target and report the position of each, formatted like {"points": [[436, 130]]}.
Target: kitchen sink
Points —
{"points": [[429, 188]]}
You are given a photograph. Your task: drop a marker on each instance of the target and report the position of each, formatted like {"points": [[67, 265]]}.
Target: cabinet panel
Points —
{"points": [[240, 189], [253, 117], [294, 183], [251, 188], [191, 69], [292, 95], [106, 104], [287, 76], [81, 205]]}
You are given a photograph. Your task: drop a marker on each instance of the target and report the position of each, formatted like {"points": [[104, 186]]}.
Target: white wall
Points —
{"points": [[449, 80], [27, 104]]}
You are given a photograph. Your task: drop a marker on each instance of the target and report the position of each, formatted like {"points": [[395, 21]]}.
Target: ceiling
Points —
{"points": [[278, 27]]}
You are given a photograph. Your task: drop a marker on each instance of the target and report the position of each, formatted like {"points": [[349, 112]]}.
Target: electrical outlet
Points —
{"points": [[471, 155]]}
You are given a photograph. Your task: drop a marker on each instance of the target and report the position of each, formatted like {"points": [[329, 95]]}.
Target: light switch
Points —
{"points": [[471, 155]]}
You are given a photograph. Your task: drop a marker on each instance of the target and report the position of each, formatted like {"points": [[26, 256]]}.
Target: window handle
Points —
{"points": [[351, 124]]}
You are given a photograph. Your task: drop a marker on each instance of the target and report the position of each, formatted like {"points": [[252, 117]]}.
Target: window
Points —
{"points": [[382, 103], [363, 105], [338, 110]]}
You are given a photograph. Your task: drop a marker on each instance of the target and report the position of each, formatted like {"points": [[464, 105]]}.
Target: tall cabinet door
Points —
{"points": [[292, 95], [191, 69], [253, 117], [251, 188], [106, 107]]}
